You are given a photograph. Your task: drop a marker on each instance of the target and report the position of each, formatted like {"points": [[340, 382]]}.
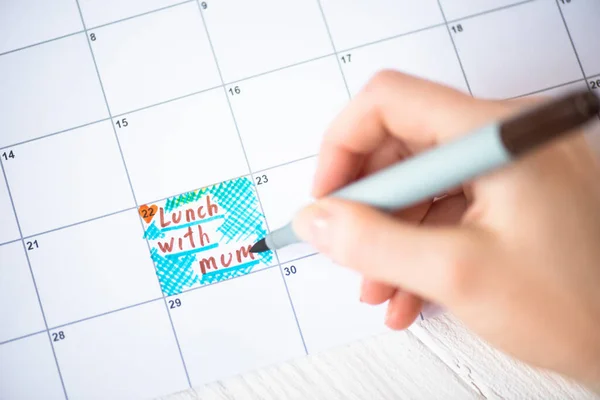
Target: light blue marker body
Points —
{"points": [[419, 178]]}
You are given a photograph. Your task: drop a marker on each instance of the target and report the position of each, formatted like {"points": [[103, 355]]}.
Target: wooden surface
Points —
{"points": [[435, 359]]}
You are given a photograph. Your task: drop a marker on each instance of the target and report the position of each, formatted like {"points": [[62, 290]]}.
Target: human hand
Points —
{"points": [[515, 255]]}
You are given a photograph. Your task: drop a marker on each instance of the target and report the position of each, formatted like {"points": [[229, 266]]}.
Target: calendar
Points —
{"points": [[146, 145]]}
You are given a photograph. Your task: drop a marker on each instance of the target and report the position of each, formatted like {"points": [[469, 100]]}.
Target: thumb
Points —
{"points": [[436, 263]]}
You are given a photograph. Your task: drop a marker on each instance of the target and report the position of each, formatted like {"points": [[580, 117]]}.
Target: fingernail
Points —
{"points": [[313, 225]]}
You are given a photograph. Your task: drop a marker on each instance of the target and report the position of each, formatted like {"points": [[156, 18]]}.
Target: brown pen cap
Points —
{"points": [[548, 121]]}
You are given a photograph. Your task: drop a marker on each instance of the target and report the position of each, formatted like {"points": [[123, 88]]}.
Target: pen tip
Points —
{"points": [[260, 246]]}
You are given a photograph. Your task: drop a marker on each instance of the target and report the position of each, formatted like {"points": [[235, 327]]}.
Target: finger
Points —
{"points": [[402, 310], [390, 152], [373, 292], [443, 212], [435, 263], [417, 111]]}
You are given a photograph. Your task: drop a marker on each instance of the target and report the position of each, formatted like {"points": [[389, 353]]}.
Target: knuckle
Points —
{"points": [[380, 80]]}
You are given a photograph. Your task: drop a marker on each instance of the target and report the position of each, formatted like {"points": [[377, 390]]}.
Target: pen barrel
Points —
{"points": [[431, 173], [419, 178], [435, 172]]}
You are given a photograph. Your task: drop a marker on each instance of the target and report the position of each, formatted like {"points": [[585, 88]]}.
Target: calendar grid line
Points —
{"points": [[38, 234], [40, 43], [131, 187], [10, 242], [103, 314], [338, 57], [23, 337], [277, 70], [212, 49], [490, 11], [139, 15], [146, 165], [254, 271], [189, 1], [393, 37], [545, 89], [213, 183], [95, 27], [462, 68], [293, 260], [562, 16], [77, 321], [334, 49], [286, 163], [79, 223], [151, 300], [335, 53], [37, 293], [197, 92], [54, 133]]}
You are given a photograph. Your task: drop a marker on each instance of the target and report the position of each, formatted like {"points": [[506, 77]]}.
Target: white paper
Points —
{"points": [[145, 145]]}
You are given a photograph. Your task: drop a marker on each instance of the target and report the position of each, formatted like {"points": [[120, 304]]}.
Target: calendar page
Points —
{"points": [[146, 145]]}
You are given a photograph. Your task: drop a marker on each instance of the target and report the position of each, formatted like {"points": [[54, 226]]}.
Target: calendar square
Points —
{"points": [[181, 145], [26, 22], [9, 229], [326, 298], [22, 316], [501, 62], [28, 369], [439, 63], [582, 20], [378, 19], [253, 37], [99, 13], [283, 192], [454, 9], [68, 178], [48, 88], [118, 270], [253, 328], [130, 354], [204, 236], [273, 122], [154, 58]]}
